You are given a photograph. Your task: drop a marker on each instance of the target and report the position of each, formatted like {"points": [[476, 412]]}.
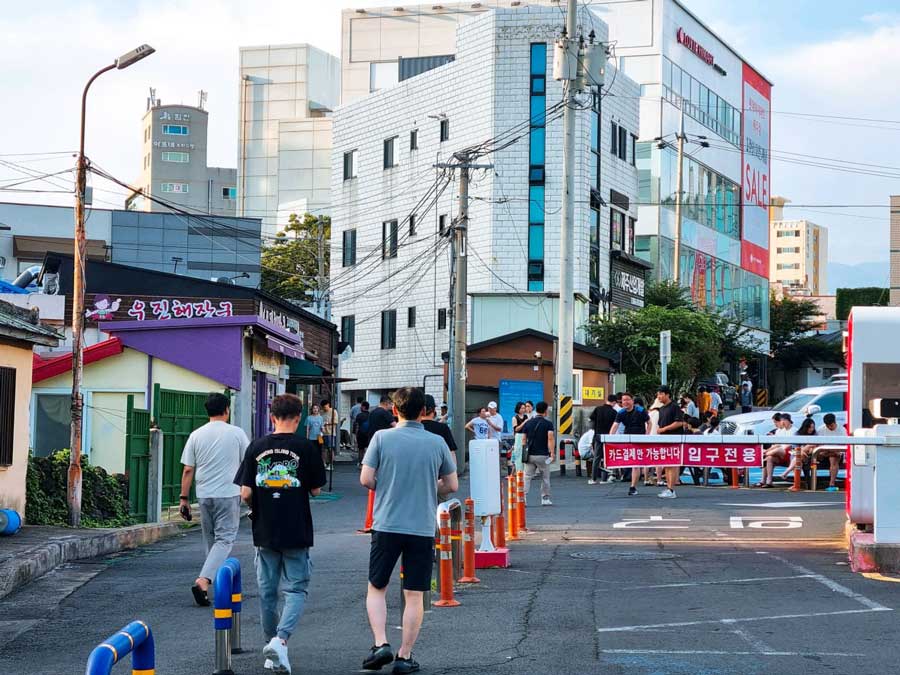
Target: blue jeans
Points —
{"points": [[291, 569]]}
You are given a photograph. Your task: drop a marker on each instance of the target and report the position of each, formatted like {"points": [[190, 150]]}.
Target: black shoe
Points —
{"points": [[201, 597], [632, 491], [379, 657], [405, 665]]}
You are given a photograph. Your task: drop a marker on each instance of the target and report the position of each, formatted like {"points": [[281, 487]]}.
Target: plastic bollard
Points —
{"points": [[135, 638], [512, 518], [520, 499], [236, 603], [370, 511], [735, 480], [468, 576], [500, 524], [222, 617], [577, 456], [446, 564], [562, 458]]}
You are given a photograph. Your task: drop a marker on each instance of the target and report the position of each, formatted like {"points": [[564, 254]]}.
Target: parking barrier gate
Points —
{"points": [[136, 639], [227, 615]]}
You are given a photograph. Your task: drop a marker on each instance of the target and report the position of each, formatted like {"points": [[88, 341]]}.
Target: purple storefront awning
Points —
{"points": [[294, 351]]}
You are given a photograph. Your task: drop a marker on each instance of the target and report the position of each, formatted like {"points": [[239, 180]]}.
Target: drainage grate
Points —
{"points": [[623, 555]]}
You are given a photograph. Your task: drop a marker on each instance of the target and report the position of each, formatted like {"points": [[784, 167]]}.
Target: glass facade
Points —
{"points": [[701, 103], [536, 159]]}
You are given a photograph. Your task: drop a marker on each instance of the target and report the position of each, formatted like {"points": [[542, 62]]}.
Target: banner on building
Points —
{"points": [[699, 453], [755, 172]]}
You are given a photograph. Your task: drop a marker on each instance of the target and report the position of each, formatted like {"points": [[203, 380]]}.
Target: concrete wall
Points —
{"points": [[12, 478]]}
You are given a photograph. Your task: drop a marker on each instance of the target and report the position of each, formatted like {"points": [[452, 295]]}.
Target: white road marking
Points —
{"points": [[782, 505], [767, 522], [832, 585], [701, 652], [634, 523], [755, 642], [685, 584], [729, 621]]}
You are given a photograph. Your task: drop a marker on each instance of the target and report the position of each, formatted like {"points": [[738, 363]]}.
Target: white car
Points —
{"points": [[814, 400]]}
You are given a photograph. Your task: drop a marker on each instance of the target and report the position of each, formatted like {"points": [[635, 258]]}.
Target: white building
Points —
{"points": [[390, 277], [798, 260], [284, 131]]}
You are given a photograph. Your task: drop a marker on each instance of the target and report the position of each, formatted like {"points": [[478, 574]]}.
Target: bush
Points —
{"points": [[869, 296], [104, 498]]}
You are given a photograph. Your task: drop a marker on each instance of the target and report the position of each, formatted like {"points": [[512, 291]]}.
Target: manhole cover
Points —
{"points": [[622, 555]]}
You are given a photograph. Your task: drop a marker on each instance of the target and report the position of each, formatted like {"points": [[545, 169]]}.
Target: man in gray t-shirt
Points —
{"points": [[405, 466]]}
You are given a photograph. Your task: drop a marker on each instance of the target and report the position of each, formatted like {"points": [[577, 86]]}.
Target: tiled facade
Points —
{"points": [[481, 95]]}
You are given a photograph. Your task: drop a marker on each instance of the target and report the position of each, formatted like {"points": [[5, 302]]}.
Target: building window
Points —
{"points": [[442, 223], [179, 157], [7, 414], [414, 139], [411, 317], [389, 239], [442, 319], [390, 156], [633, 150], [383, 75], [701, 103], [445, 130], [229, 193], [348, 259], [536, 165], [623, 144], [616, 230], [389, 329], [350, 164], [175, 130], [629, 236], [412, 224], [577, 386], [614, 138], [182, 188], [348, 330]]}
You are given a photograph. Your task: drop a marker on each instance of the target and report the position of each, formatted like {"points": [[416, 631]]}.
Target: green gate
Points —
{"points": [[177, 413], [137, 459]]}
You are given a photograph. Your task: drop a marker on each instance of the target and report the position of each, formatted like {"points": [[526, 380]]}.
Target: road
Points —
{"points": [[603, 583]]}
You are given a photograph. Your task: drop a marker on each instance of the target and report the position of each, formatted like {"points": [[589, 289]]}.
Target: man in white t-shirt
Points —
{"points": [[495, 421], [831, 428], [715, 401], [479, 425], [212, 456]]}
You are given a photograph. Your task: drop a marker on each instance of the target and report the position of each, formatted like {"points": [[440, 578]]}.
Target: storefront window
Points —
{"points": [[52, 423]]}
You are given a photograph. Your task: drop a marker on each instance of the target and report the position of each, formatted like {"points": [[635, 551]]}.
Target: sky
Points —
{"points": [[825, 57]]}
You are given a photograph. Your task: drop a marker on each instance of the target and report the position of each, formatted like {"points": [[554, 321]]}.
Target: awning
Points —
{"points": [[276, 345], [26, 246]]}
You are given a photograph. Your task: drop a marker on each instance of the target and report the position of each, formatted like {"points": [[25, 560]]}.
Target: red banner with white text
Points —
{"points": [[714, 455]]}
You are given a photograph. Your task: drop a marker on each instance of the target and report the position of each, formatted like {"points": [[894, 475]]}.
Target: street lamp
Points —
{"points": [[73, 484]]}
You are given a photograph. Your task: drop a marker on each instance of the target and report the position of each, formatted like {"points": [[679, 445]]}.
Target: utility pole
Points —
{"points": [[676, 269], [457, 374], [570, 46], [320, 278]]}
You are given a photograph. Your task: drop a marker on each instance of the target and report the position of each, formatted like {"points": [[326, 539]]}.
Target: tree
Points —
{"points": [[290, 264], [668, 294], [869, 296]]}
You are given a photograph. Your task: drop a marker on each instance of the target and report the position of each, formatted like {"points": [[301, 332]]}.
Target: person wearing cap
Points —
{"points": [[434, 426], [495, 421]]}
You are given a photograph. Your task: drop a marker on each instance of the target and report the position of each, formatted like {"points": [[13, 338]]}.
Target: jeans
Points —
{"points": [[598, 471], [219, 517], [291, 569], [537, 463]]}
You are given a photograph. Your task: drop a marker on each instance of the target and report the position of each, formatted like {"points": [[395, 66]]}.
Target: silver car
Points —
{"points": [[815, 401]]}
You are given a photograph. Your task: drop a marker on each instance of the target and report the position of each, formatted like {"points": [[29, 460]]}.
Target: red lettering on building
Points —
{"points": [[698, 49]]}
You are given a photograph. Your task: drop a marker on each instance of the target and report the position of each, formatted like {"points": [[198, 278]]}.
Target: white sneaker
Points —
{"points": [[268, 664], [667, 494], [276, 652], [591, 481], [610, 479], [545, 501]]}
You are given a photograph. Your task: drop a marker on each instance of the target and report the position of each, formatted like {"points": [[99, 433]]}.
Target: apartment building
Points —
{"points": [[799, 254]]}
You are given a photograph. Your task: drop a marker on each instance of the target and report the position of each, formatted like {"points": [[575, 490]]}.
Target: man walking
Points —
{"points": [[539, 444], [406, 464], [602, 419], [746, 396], [631, 420], [212, 455], [354, 411], [671, 421], [381, 417], [330, 429], [276, 478], [430, 422]]}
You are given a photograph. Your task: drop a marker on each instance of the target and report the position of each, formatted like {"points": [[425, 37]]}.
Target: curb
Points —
{"points": [[47, 556]]}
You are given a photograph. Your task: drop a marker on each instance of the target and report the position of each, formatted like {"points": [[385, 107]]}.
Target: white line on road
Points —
{"points": [[684, 584], [755, 642], [729, 621], [700, 652], [831, 585]]}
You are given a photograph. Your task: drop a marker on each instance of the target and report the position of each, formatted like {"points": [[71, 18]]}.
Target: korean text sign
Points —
{"points": [[717, 455]]}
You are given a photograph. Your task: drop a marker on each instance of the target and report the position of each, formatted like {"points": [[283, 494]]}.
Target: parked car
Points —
{"points": [[719, 383], [837, 378], [815, 400]]}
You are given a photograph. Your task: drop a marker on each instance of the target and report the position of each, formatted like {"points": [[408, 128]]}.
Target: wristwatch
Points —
{"points": [[184, 497]]}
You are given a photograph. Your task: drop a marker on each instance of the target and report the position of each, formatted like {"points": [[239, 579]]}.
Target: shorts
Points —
{"points": [[418, 559], [329, 441]]}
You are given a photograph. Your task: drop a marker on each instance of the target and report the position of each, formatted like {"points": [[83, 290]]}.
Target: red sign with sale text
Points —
{"points": [[716, 455]]}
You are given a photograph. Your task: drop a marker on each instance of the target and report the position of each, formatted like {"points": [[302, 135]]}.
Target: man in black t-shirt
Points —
{"points": [[671, 421], [381, 417], [602, 419], [539, 446], [435, 427], [634, 420], [278, 474]]}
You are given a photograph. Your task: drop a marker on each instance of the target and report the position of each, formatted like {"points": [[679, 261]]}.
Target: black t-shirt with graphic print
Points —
{"points": [[281, 469]]}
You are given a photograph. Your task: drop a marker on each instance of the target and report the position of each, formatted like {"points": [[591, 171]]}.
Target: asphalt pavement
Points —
{"points": [[716, 581]]}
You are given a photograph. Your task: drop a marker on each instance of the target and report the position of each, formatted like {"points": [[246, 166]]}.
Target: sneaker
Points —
{"points": [[276, 652], [632, 491], [610, 479], [545, 501], [405, 665], [591, 481], [832, 488], [268, 664], [667, 494], [378, 657]]}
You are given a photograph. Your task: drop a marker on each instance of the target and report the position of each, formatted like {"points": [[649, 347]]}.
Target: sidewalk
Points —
{"points": [[35, 549]]}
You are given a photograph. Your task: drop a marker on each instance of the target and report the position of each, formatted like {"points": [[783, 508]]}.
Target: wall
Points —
{"points": [[895, 251], [12, 478]]}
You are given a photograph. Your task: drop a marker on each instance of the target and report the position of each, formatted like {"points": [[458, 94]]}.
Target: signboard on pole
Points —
{"points": [[691, 453], [665, 355]]}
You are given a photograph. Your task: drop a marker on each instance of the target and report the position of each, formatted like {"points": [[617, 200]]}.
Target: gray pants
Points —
{"points": [[537, 463], [290, 569], [219, 518]]}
